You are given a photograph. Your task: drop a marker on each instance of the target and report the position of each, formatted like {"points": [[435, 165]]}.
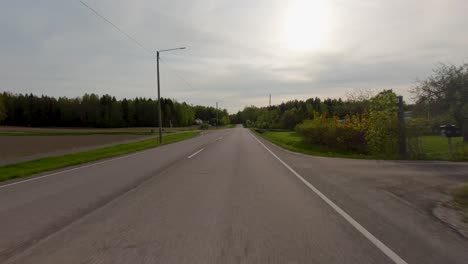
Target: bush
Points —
{"points": [[375, 133], [249, 123], [347, 135], [382, 135], [204, 126], [383, 128]]}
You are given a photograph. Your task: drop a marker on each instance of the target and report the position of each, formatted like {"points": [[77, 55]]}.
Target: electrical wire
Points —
{"points": [[177, 74], [116, 27], [135, 41]]}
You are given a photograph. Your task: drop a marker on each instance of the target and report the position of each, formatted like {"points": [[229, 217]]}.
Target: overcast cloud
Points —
{"points": [[237, 51]]}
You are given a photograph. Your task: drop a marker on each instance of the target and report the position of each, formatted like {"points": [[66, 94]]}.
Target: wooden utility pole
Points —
{"points": [[402, 133]]}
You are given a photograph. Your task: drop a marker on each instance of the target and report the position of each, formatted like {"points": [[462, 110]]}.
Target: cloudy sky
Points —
{"points": [[237, 51]]}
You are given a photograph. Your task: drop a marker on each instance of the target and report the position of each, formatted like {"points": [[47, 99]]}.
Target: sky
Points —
{"points": [[238, 52]]}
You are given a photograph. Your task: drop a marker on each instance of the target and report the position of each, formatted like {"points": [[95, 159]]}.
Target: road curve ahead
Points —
{"points": [[224, 197]]}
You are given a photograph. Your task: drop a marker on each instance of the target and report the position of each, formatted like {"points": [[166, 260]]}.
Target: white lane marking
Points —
{"points": [[77, 168], [386, 250], [191, 156]]}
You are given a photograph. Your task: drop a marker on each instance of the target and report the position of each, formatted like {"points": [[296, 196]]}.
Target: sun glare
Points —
{"points": [[306, 25]]}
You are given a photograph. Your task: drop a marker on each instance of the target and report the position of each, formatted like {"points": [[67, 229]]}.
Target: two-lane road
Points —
{"points": [[225, 197]]}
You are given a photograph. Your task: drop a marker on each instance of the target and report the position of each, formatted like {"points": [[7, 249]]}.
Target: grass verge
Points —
{"points": [[292, 141], [434, 147], [46, 164], [460, 197]]}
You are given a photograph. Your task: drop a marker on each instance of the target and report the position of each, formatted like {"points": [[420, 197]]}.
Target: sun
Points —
{"points": [[306, 25]]}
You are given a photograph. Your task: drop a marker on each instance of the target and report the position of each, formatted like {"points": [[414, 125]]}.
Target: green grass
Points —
{"points": [[436, 147], [292, 141], [460, 197], [46, 164], [231, 126]]}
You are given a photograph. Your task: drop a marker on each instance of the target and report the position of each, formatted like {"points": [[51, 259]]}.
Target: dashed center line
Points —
{"points": [[191, 156]]}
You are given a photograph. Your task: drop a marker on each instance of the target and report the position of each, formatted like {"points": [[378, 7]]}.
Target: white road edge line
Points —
{"points": [[191, 156], [77, 168], [386, 250]]}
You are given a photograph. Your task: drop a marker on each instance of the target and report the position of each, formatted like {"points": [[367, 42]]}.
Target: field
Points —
{"points": [[51, 163], [35, 131], [434, 147], [19, 144], [29, 147]]}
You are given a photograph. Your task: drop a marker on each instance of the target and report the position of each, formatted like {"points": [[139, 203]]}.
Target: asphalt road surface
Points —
{"points": [[223, 197]]}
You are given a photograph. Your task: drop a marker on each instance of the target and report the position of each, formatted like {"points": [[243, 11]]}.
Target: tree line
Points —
{"points": [[288, 114], [92, 110], [367, 122], [440, 99]]}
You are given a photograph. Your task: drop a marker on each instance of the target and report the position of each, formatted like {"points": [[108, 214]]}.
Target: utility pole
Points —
{"points": [[159, 100], [159, 92], [402, 133], [269, 109], [216, 115]]}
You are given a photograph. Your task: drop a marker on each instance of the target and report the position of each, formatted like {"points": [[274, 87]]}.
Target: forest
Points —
{"points": [[105, 111]]}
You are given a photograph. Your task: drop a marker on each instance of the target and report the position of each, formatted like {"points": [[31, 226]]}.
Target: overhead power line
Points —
{"points": [[116, 27], [135, 41], [177, 74]]}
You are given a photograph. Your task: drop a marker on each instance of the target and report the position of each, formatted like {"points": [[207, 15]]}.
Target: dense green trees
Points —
{"points": [[2, 109], [92, 110], [287, 115], [444, 96]]}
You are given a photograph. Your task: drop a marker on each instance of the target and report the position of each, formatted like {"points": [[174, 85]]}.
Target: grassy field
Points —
{"points": [[37, 166], [434, 147], [292, 141]]}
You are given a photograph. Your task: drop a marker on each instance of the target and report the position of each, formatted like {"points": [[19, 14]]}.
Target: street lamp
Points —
{"points": [[159, 91]]}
